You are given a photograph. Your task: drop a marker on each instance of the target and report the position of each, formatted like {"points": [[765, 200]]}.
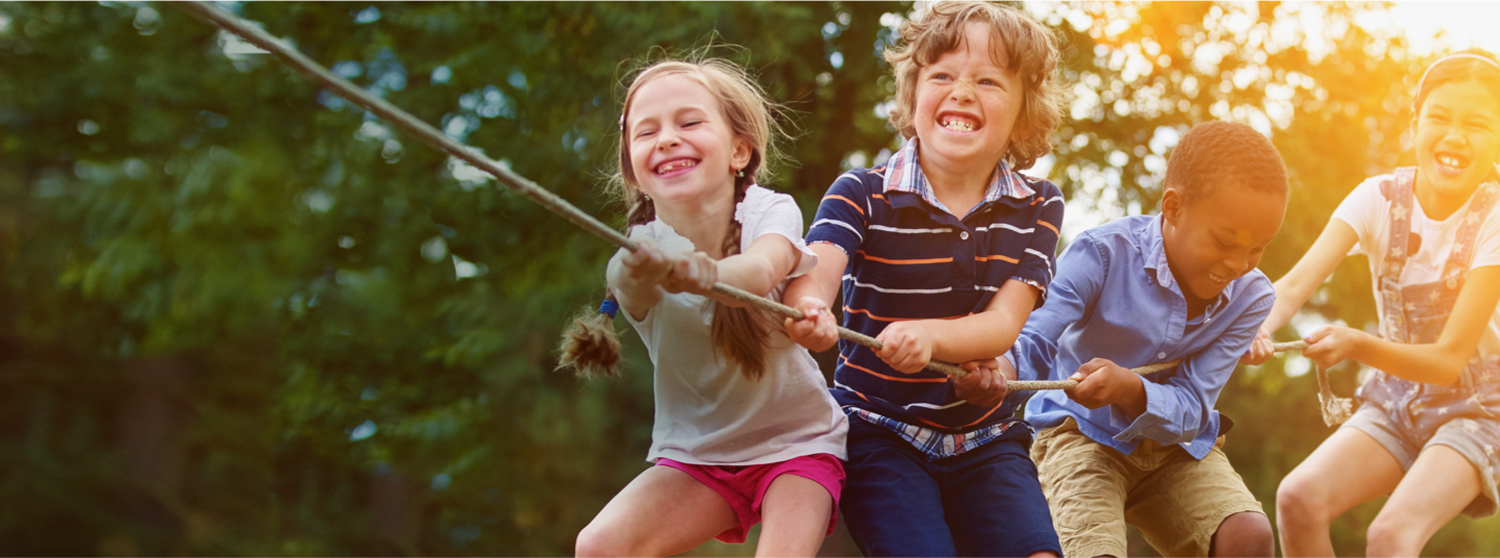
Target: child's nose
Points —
{"points": [[667, 140], [963, 90]]}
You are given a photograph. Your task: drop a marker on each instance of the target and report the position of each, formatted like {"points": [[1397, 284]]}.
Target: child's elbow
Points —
{"points": [[1448, 373]]}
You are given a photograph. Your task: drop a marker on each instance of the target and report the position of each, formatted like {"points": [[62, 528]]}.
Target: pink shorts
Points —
{"points": [[744, 486]]}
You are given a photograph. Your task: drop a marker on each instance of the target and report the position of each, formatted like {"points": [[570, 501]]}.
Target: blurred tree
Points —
{"points": [[241, 316]]}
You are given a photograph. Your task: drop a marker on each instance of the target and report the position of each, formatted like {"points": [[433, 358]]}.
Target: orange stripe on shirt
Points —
{"points": [[848, 310], [995, 257], [856, 206], [904, 262], [1048, 225], [933, 424], [892, 378], [986, 415]]}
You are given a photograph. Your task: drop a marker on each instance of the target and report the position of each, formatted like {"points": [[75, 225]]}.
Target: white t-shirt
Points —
{"points": [[707, 411], [1368, 213]]}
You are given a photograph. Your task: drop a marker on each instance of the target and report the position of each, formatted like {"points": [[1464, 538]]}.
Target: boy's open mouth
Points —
{"points": [[958, 122], [1218, 279]]}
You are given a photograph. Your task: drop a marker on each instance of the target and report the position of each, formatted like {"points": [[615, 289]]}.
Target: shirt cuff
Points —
{"points": [[1154, 416]]}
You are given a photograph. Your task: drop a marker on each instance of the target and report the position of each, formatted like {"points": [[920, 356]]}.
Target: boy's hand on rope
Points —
{"points": [[984, 385], [1331, 344], [816, 331], [1102, 382], [1261, 349], [906, 346], [692, 272]]}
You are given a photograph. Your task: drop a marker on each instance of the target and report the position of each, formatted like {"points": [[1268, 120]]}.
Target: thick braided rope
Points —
{"points": [[1143, 370], [427, 134]]}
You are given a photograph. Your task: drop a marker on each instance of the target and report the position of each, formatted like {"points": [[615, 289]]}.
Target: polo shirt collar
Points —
{"points": [[903, 174], [1154, 256]]}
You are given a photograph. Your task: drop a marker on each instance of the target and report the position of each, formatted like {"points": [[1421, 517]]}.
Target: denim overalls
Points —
{"points": [[1416, 314]]}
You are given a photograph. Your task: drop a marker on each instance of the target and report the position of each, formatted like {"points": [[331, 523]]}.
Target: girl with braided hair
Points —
{"points": [[745, 428]]}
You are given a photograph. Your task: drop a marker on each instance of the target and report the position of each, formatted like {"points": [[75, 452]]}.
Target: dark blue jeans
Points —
{"points": [[984, 502]]}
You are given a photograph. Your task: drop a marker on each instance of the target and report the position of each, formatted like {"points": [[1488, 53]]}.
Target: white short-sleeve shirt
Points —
{"points": [[1368, 213], [707, 411]]}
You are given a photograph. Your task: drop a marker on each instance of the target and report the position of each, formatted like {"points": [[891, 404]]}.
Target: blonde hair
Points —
{"points": [[590, 345], [1033, 55]]}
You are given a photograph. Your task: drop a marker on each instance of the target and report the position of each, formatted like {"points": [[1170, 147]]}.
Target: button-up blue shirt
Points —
{"points": [[1114, 297]]}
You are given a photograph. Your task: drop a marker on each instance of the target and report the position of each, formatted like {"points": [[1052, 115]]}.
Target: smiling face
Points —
{"points": [[1458, 139], [967, 103], [683, 151], [1218, 236]]}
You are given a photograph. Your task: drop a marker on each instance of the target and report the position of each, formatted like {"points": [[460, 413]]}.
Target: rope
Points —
{"points": [[1142, 370], [432, 137]]}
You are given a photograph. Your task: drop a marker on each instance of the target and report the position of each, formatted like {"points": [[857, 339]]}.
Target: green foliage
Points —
{"points": [[244, 317]]}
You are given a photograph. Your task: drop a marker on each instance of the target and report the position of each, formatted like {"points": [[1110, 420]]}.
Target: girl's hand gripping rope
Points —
{"points": [[692, 272], [816, 331], [1331, 344]]}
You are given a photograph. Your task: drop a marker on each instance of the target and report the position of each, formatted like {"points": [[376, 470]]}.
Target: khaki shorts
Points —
{"points": [[1175, 501]]}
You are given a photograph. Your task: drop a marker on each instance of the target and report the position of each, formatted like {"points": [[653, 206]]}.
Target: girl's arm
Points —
{"points": [[1293, 289], [757, 269], [635, 277], [1432, 363]]}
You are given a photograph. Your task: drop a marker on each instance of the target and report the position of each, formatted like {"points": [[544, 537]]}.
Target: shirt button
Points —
{"points": [[1161, 355], [963, 235]]}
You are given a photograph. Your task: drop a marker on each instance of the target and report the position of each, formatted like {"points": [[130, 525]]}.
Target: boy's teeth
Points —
{"points": [[958, 125]]}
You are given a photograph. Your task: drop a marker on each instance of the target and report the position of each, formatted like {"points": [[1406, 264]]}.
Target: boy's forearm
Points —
{"points": [[983, 335]]}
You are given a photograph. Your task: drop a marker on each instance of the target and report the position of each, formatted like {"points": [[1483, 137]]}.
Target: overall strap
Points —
{"points": [[1457, 265], [1398, 189]]}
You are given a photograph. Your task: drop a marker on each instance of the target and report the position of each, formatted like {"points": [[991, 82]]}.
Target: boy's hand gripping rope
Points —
{"points": [[430, 136]]}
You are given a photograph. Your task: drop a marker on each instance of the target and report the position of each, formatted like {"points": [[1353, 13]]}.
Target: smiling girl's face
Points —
{"points": [[682, 147], [1457, 139]]}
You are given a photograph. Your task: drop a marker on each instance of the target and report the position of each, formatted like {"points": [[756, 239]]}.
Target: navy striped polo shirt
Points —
{"points": [[910, 259]]}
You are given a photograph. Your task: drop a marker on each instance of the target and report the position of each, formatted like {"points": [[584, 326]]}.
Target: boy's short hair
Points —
{"points": [[1033, 54], [1216, 155]]}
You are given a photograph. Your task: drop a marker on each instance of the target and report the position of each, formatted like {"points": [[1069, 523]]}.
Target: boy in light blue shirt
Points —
{"points": [[1124, 448]]}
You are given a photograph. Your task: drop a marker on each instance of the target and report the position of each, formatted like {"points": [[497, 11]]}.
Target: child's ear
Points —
{"points": [[1171, 205], [739, 157]]}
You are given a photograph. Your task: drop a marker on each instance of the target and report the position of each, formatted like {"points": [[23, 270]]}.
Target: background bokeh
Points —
{"points": [[239, 316]]}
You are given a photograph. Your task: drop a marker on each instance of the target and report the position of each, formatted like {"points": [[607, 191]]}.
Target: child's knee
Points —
{"points": [[1389, 536], [1297, 500], [596, 540], [1244, 534]]}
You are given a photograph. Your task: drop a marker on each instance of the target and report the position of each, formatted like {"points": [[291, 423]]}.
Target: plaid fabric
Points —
{"points": [[906, 176], [937, 445]]}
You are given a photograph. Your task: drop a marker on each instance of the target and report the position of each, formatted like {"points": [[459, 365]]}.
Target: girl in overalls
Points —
{"points": [[1427, 431]]}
